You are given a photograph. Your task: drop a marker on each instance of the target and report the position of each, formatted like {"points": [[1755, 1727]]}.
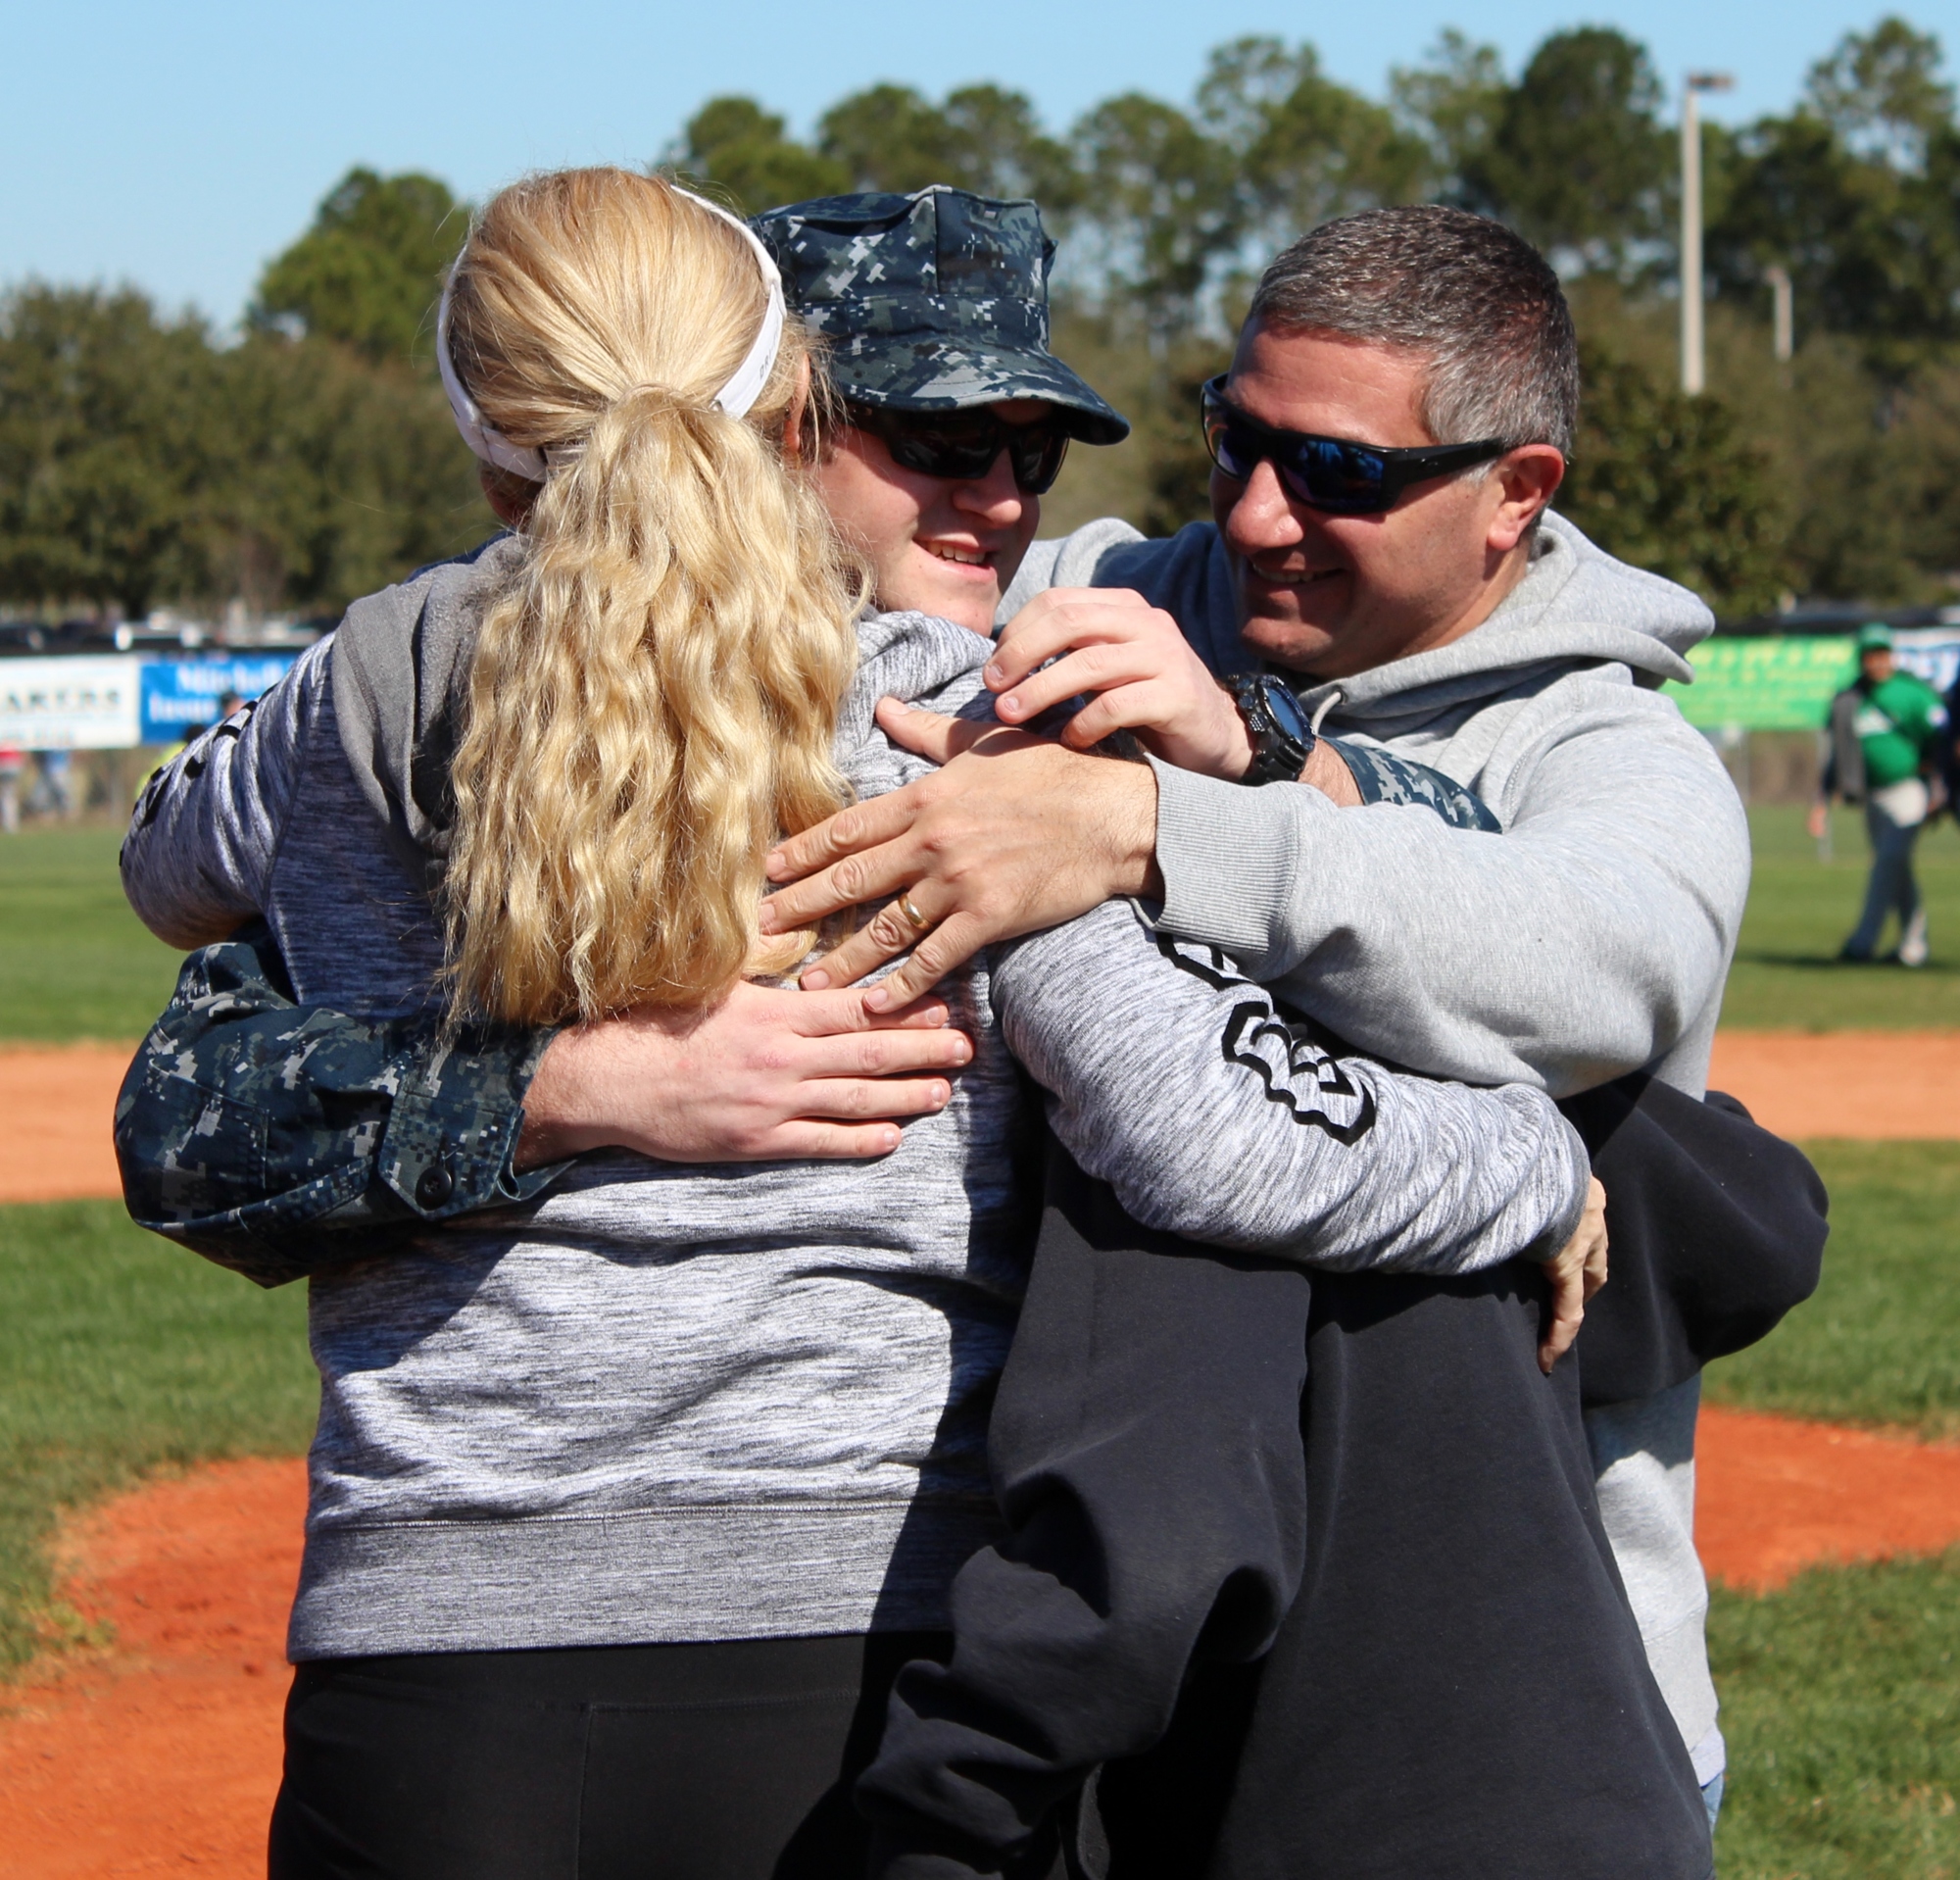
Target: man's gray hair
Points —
{"points": [[1478, 301]]}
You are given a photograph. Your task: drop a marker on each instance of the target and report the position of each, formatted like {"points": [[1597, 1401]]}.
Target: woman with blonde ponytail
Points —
{"points": [[632, 1493], [673, 651]]}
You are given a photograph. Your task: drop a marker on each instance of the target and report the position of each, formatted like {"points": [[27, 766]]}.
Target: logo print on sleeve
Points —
{"points": [[1297, 1074], [1295, 1071]]}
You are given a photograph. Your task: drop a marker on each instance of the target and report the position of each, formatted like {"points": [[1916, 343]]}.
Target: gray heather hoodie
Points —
{"points": [[1590, 938], [668, 1402]]}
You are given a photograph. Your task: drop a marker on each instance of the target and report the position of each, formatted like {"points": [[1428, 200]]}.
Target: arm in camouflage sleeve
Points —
{"points": [[276, 1139], [1380, 777]]}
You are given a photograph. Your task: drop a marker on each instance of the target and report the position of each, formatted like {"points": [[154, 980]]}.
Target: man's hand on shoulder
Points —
{"points": [[1138, 670], [768, 1075], [1012, 834]]}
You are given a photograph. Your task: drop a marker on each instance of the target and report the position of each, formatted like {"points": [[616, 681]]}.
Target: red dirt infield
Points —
{"points": [[1774, 1495], [1878, 1086], [55, 1108], [160, 1753], [56, 1104]]}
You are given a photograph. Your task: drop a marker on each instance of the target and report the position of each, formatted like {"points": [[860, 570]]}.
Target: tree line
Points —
{"points": [[143, 458]]}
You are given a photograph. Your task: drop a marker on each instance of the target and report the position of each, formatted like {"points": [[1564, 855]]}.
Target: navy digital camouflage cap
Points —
{"points": [[931, 302]]}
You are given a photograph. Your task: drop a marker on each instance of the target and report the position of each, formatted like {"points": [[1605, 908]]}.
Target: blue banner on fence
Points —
{"points": [[181, 696]]}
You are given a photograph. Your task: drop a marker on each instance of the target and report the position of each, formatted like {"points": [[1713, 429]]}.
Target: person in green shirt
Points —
{"points": [[1886, 729]]}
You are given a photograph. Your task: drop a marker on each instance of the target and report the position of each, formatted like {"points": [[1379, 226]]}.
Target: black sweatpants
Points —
{"points": [[722, 1761], [1455, 1685]]}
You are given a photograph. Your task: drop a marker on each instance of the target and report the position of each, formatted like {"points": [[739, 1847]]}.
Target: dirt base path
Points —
{"points": [[160, 1754], [55, 1108], [56, 1105], [1892, 1086], [1774, 1494]]}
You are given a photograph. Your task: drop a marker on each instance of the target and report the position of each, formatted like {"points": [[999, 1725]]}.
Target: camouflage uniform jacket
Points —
{"points": [[278, 1139]]}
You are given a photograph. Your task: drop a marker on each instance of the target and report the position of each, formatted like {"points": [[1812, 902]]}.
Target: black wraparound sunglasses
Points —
{"points": [[964, 446], [1331, 474]]}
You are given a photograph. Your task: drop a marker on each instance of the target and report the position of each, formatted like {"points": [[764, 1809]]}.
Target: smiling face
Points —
{"points": [[1334, 595], [935, 544]]}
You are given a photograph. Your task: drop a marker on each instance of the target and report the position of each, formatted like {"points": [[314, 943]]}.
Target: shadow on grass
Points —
{"points": [[1815, 962]]}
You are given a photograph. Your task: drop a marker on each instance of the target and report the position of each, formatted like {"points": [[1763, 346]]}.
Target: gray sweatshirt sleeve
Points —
{"points": [[1579, 945], [1215, 1116], [206, 831]]}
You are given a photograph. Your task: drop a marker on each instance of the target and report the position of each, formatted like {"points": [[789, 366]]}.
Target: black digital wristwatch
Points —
{"points": [[1282, 738]]}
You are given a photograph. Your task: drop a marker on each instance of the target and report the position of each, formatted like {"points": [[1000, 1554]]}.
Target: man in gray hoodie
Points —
{"points": [[1431, 608]]}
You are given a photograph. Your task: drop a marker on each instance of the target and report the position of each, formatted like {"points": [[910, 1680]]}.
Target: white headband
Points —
{"points": [[736, 398], [741, 392], [486, 442]]}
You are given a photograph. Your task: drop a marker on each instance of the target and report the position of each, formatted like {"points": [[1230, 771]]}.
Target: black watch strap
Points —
{"points": [[1282, 739]]}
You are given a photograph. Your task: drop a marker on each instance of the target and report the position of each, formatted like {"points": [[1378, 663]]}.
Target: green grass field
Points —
{"points": [[74, 963], [1841, 1703], [1786, 973], [120, 1355], [1880, 1343], [1840, 1694]]}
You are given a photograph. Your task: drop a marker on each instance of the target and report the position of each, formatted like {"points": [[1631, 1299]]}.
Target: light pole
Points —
{"points": [[1783, 314], [1693, 365]]}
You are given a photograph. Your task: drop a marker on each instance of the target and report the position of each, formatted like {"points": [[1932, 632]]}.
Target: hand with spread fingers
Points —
{"points": [[766, 1075], [1138, 671], [1577, 1272], [1015, 833]]}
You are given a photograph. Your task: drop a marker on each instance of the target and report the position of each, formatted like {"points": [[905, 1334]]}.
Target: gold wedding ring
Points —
{"points": [[904, 903]]}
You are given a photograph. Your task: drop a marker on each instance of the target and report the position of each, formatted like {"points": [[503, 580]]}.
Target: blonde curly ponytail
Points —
{"points": [[652, 703]]}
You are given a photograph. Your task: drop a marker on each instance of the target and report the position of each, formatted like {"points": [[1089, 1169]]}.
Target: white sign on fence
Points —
{"points": [[86, 702]]}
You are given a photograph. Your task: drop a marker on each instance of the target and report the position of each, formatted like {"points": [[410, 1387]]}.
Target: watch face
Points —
{"points": [[1285, 708]]}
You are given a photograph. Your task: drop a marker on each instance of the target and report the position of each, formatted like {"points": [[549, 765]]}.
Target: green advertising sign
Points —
{"points": [[1778, 683]]}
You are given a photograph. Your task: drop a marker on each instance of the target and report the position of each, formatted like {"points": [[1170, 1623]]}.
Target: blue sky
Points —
{"points": [[180, 147]]}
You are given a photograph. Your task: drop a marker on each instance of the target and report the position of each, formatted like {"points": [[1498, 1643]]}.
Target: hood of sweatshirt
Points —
{"points": [[401, 681], [1575, 605]]}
